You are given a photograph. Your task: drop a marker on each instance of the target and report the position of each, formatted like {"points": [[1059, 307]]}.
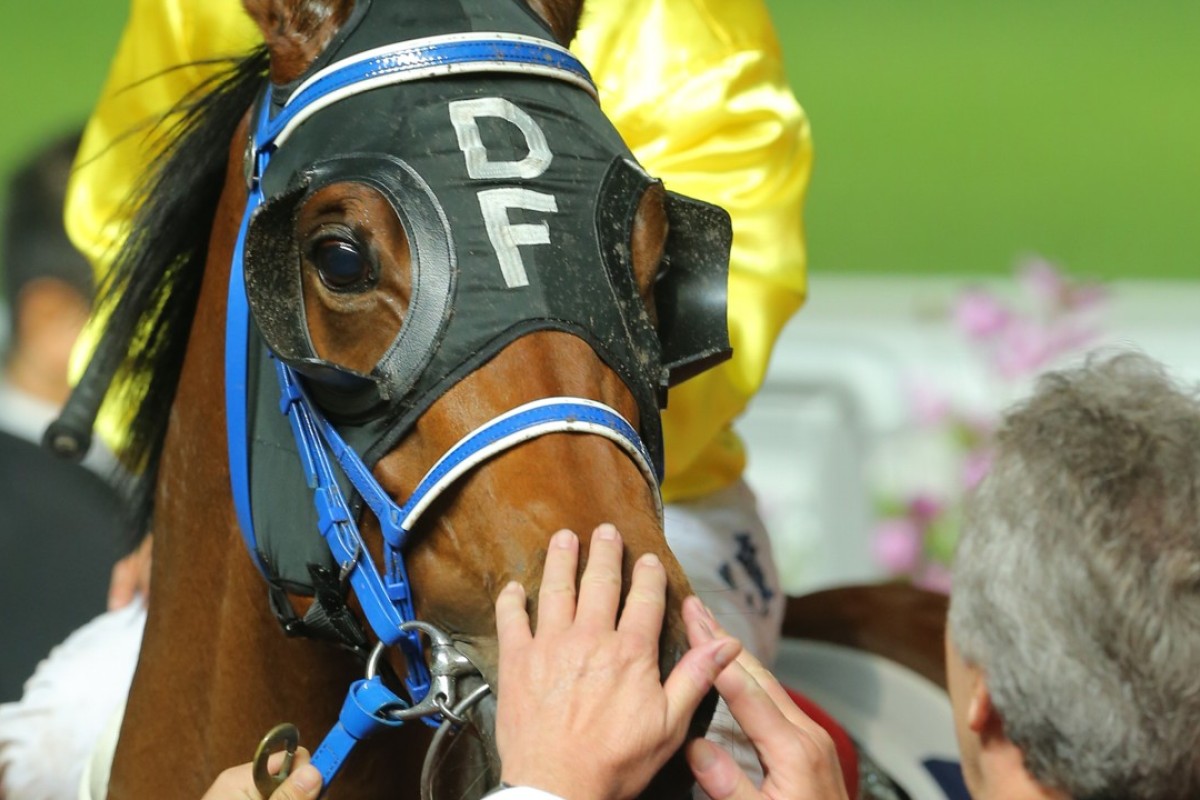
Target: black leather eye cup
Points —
{"points": [[344, 264]]}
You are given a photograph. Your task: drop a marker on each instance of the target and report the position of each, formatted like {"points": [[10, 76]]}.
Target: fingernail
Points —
{"points": [[727, 652], [606, 532], [513, 586], [708, 612], [702, 754], [307, 778], [564, 540], [649, 560]]}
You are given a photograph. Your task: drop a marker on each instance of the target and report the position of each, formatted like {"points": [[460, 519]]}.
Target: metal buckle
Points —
{"points": [[446, 665]]}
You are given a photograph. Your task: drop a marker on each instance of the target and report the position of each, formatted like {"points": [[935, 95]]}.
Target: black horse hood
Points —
{"points": [[518, 198]]}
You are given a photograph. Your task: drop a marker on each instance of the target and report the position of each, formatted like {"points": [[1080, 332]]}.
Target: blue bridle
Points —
{"points": [[386, 598]]}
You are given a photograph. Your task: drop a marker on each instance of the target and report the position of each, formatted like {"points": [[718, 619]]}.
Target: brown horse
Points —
{"points": [[215, 671], [896, 621]]}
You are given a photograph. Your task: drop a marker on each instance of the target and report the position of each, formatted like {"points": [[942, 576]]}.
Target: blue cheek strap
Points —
{"points": [[387, 599]]}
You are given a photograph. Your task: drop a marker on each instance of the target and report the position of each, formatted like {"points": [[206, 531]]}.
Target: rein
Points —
{"points": [[386, 597]]}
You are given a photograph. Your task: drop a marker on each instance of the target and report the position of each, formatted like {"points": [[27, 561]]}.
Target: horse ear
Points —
{"points": [[296, 31], [561, 15]]}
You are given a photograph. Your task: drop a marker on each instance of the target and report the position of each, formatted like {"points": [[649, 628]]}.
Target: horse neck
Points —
{"points": [[216, 672]]}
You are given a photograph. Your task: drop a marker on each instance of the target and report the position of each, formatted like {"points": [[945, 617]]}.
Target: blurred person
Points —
{"points": [[60, 523], [49, 288]]}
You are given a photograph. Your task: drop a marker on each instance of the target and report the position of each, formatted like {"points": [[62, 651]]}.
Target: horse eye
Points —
{"points": [[340, 264]]}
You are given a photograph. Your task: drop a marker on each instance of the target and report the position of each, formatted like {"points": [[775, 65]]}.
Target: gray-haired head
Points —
{"points": [[1077, 581]]}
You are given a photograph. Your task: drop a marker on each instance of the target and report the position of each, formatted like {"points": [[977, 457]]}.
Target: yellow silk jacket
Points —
{"points": [[696, 88]]}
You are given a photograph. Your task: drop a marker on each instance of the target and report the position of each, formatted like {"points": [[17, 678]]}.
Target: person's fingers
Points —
{"points": [[788, 741], [144, 562], [646, 603], [512, 620], [694, 609], [702, 626], [131, 576], [275, 760], [304, 783], [717, 774], [122, 584], [792, 746], [556, 598], [756, 711], [798, 760], [696, 622], [235, 783], [600, 586], [693, 677], [771, 686]]}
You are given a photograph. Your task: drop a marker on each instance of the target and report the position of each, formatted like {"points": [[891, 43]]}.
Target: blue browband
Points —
{"points": [[432, 57], [386, 598]]}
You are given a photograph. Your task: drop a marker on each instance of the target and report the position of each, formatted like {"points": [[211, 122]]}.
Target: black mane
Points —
{"points": [[152, 288]]}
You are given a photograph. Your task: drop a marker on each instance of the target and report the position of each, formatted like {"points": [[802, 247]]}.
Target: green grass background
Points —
{"points": [[952, 135], [53, 59]]}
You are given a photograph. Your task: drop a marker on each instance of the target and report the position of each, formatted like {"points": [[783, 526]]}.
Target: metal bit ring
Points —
{"points": [[373, 661], [287, 735]]}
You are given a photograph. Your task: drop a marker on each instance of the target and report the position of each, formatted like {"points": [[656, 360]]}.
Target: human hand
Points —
{"points": [[237, 783], [798, 757], [581, 711], [131, 576]]}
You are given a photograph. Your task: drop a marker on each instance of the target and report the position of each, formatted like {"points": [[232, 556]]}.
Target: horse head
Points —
{"points": [[433, 257]]}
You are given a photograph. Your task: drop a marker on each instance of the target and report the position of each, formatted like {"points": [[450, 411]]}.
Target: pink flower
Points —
{"points": [[1042, 280], [1045, 282], [897, 546], [922, 509], [1024, 348], [980, 315], [975, 468], [929, 406]]}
